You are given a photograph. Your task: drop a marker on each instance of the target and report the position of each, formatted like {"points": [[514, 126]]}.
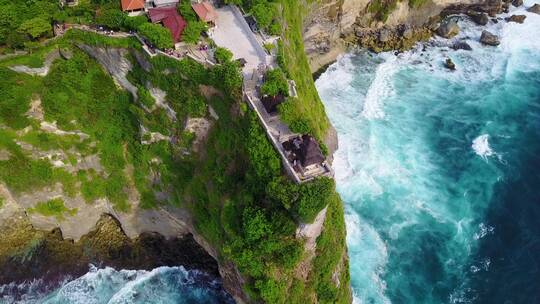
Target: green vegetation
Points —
{"points": [[382, 8], [157, 35], [185, 10], [304, 114], [54, 207], [264, 11], [223, 55], [275, 83], [113, 19], [193, 31], [417, 3], [236, 191]]}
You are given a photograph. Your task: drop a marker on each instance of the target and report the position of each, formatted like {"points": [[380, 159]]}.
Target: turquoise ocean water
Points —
{"points": [[439, 169], [161, 285]]}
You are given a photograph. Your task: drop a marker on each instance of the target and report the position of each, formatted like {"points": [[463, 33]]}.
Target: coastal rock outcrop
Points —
{"points": [[516, 18], [28, 254], [489, 38], [534, 9], [449, 64], [517, 3], [461, 45], [448, 28], [479, 18], [332, 26]]}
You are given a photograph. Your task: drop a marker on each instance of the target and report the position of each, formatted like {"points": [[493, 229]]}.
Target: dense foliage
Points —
{"points": [[223, 55], [157, 35], [193, 31], [275, 83]]}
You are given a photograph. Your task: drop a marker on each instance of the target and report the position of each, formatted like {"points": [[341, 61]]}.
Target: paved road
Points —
{"points": [[232, 32]]}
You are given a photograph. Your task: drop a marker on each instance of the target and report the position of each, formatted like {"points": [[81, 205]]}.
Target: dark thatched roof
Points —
{"points": [[310, 151], [270, 103], [304, 149]]}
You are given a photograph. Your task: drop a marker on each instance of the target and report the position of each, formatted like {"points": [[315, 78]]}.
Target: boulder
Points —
{"points": [[449, 64], [407, 32], [489, 38], [448, 28], [534, 9], [517, 3], [479, 18], [462, 45], [384, 35], [516, 18]]}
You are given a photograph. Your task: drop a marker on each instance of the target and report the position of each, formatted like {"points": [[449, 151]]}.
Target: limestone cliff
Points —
{"points": [[333, 25]]}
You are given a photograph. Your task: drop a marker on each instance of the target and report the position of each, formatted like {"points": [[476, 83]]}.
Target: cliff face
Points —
{"points": [[333, 25]]}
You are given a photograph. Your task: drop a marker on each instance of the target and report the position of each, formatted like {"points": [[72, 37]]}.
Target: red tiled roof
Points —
{"points": [[130, 5], [170, 19], [205, 11]]}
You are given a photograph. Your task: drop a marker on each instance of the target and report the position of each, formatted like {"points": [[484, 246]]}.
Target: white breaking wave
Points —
{"points": [[481, 146], [380, 89]]}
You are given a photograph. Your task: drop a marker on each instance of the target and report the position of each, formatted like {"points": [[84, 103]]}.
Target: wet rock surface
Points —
{"points": [[448, 28], [461, 45], [27, 254], [516, 18], [489, 39], [534, 9]]}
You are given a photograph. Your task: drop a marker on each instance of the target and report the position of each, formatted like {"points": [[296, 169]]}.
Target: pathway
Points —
{"points": [[232, 32]]}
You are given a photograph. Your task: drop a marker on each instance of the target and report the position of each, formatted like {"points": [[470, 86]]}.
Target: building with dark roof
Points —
{"points": [[169, 17], [310, 152], [271, 103], [304, 150]]}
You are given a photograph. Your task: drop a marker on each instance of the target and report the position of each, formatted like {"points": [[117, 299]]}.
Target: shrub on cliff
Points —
{"points": [[313, 197], [157, 35], [193, 31], [111, 18], [275, 83], [223, 55]]}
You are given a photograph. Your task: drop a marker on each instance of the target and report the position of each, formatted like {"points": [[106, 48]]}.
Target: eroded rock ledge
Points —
{"points": [[27, 253]]}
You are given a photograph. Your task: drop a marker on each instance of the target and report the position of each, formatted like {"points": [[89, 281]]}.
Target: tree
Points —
{"points": [[185, 10], [314, 196], [132, 23], [223, 55], [227, 76], [264, 13], [111, 18], [157, 35], [193, 31], [35, 27]]}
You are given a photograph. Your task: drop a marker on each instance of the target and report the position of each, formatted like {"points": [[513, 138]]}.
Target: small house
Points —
{"points": [[132, 7], [304, 150], [205, 11], [169, 17]]}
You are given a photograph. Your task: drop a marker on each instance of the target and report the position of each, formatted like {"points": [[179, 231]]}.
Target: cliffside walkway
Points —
{"points": [[233, 32]]}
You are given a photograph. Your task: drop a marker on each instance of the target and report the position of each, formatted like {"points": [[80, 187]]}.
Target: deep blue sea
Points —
{"points": [[440, 170]]}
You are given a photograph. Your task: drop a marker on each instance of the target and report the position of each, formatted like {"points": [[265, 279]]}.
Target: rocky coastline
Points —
{"points": [[400, 32], [28, 254]]}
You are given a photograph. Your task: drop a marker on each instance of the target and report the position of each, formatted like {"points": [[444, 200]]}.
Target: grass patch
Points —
{"points": [[306, 113], [383, 8], [54, 207]]}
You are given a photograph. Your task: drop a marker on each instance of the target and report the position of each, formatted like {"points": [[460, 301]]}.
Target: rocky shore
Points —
{"points": [[28, 254], [335, 26]]}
